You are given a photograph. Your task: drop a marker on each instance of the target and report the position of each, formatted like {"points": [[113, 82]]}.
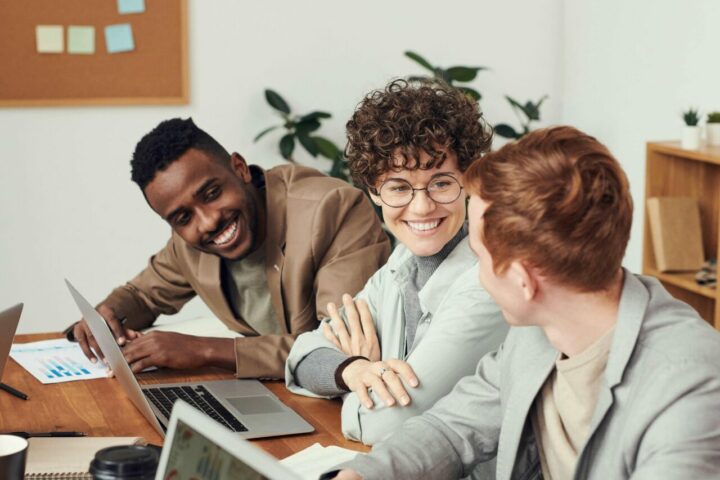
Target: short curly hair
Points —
{"points": [[405, 118], [165, 144]]}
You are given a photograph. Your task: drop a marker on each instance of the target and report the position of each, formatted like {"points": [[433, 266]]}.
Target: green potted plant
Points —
{"points": [[451, 76], [712, 129], [301, 129], [691, 132], [526, 114]]}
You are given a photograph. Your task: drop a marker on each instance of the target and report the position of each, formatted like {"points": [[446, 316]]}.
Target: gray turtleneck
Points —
{"points": [[316, 372]]}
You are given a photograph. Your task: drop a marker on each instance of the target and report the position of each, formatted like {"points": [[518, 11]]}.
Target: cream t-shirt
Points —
{"points": [[563, 410]]}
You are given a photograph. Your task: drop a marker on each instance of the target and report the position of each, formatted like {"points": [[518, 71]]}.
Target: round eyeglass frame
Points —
{"points": [[378, 191]]}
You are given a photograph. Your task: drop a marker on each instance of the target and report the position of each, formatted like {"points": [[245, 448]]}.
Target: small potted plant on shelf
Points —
{"points": [[691, 132], [712, 129]]}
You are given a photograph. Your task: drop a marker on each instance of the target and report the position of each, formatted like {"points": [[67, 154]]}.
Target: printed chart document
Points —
{"points": [[55, 361]]}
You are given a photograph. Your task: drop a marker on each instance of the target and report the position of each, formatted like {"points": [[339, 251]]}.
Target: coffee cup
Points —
{"points": [[131, 462], [13, 455]]}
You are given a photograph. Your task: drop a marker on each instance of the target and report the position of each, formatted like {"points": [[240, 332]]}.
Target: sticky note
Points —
{"points": [[126, 7], [81, 39], [119, 38], [49, 38]]}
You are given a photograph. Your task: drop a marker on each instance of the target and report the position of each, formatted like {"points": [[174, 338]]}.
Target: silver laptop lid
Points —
{"points": [[114, 357], [198, 445], [9, 320]]}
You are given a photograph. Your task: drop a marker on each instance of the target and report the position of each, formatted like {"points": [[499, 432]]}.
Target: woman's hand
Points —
{"points": [[362, 338], [383, 378]]}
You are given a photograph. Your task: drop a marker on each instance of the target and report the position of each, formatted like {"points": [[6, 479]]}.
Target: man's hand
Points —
{"points": [[362, 339], [175, 350], [384, 379], [87, 342]]}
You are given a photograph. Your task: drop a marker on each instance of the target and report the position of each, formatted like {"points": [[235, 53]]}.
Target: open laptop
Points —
{"points": [[197, 447], [9, 320], [246, 407]]}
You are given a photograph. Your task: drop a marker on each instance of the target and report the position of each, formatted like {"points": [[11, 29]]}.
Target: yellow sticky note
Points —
{"points": [[81, 39], [49, 38]]}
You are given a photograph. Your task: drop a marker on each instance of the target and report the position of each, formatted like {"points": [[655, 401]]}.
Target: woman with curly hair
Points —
{"points": [[422, 321]]}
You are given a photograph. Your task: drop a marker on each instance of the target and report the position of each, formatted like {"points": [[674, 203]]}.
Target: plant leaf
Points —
{"points": [[276, 101], [326, 148], [418, 59], [339, 169], [287, 145], [518, 105], [267, 130], [464, 74], [471, 92], [505, 130], [314, 115], [307, 126], [532, 111], [308, 143]]}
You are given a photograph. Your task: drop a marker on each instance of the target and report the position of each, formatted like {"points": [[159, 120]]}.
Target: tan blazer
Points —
{"points": [[323, 239]]}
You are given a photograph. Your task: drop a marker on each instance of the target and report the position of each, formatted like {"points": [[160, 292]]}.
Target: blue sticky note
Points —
{"points": [[119, 38], [126, 7]]}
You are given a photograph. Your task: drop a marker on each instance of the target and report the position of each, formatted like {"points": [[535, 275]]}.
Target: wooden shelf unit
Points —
{"points": [[672, 171]]}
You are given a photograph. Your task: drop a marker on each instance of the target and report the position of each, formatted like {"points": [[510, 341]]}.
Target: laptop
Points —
{"points": [[9, 320], [197, 447], [245, 407]]}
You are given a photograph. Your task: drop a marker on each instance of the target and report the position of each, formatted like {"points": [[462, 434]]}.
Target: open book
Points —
{"points": [[68, 458]]}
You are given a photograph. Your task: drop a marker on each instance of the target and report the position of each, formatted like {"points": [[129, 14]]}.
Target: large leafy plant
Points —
{"points": [[301, 129], [452, 76], [527, 113]]}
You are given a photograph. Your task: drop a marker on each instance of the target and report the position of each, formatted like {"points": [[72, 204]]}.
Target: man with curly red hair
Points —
{"points": [[422, 321], [603, 374]]}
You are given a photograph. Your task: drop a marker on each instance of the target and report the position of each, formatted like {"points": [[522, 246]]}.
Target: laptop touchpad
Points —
{"points": [[255, 405]]}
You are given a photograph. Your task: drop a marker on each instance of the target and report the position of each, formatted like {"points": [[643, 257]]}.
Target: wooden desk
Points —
{"points": [[101, 408]]}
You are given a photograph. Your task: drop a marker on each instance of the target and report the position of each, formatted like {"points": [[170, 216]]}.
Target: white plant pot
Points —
{"points": [[712, 134], [691, 138]]}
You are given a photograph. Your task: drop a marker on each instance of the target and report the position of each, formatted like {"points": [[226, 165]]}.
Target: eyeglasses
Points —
{"points": [[397, 193]]}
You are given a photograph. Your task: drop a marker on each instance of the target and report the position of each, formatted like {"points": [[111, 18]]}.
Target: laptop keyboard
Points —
{"points": [[198, 397]]}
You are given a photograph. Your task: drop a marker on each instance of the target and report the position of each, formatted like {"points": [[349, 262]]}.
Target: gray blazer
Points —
{"points": [[460, 323], [657, 415]]}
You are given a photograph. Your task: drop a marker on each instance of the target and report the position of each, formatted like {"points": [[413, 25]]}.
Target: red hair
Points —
{"points": [[557, 200]]}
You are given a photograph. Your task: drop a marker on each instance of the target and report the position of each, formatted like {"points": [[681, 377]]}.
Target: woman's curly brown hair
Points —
{"points": [[398, 122]]}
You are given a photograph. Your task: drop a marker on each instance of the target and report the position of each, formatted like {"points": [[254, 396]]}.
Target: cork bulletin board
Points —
{"points": [[153, 71]]}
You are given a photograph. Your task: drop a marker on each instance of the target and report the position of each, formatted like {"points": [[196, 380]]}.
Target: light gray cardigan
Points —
{"points": [[657, 415], [460, 323]]}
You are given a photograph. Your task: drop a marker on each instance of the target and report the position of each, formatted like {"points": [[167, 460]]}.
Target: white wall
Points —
{"points": [[631, 67], [67, 206]]}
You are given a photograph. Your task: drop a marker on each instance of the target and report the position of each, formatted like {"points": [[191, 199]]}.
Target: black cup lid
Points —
{"points": [[125, 462]]}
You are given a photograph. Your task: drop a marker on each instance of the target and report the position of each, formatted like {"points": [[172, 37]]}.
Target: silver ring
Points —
{"points": [[382, 371]]}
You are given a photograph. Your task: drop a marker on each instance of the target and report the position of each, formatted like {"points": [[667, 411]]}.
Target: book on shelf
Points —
{"points": [[68, 458], [676, 233]]}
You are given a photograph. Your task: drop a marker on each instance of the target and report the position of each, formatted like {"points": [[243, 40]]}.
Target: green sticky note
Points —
{"points": [[49, 38], [81, 39]]}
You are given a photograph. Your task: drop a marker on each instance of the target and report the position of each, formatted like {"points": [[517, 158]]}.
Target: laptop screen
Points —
{"points": [[194, 456]]}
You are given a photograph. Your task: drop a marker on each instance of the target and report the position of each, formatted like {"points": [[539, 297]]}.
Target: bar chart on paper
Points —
{"points": [[55, 361]]}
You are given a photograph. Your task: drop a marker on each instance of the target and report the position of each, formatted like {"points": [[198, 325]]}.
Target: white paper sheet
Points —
{"points": [[315, 460], [56, 361]]}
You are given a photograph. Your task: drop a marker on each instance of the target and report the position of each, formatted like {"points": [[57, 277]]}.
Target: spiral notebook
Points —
{"points": [[68, 458]]}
